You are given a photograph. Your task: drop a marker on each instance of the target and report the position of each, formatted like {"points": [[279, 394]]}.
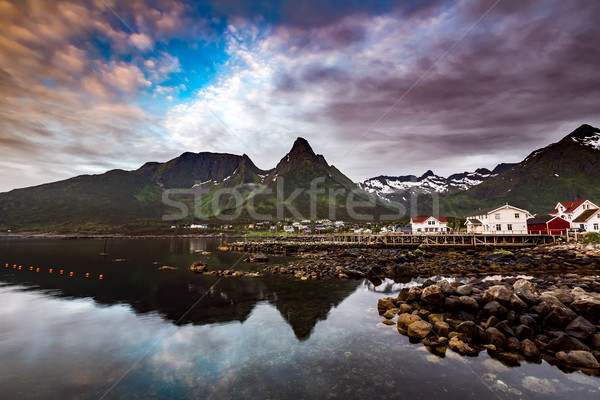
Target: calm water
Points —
{"points": [[144, 333]]}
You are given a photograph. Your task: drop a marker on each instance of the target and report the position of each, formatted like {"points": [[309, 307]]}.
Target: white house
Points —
{"points": [[589, 220], [503, 220], [429, 224], [571, 210]]}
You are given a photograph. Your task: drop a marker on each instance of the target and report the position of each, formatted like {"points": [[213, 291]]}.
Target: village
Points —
{"points": [[579, 216]]}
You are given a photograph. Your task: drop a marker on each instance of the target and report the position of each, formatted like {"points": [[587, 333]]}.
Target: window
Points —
{"points": [[582, 226], [509, 227], [595, 227], [431, 222], [517, 215], [498, 227], [497, 216]]}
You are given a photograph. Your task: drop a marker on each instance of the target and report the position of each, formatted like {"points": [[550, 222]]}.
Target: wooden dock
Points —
{"points": [[429, 240]]}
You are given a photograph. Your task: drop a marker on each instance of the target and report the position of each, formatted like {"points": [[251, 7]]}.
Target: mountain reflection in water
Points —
{"points": [[131, 275]]}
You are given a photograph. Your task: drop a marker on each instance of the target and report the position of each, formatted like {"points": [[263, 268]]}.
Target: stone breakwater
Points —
{"points": [[321, 260], [556, 319]]}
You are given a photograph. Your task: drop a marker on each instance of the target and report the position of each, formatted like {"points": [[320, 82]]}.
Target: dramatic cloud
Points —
{"points": [[378, 87]]}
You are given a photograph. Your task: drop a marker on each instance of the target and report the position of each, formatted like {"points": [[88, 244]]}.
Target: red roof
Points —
{"points": [[423, 219], [569, 206]]}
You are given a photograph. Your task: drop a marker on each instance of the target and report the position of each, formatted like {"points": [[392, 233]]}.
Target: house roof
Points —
{"points": [[418, 220], [474, 222], [584, 216], [569, 206], [539, 221], [485, 211]]}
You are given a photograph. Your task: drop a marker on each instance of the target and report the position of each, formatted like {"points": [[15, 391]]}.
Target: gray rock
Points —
{"points": [[580, 328], [578, 359]]}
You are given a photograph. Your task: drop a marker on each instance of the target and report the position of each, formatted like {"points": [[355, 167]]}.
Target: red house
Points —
{"points": [[547, 226]]}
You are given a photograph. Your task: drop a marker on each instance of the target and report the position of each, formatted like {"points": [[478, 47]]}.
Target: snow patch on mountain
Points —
{"points": [[427, 183]]}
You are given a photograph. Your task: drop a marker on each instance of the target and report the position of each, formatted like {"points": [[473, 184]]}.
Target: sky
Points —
{"points": [[379, 87]]}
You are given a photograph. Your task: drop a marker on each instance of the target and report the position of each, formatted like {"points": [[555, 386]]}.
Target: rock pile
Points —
{"points": [[552, 318]]}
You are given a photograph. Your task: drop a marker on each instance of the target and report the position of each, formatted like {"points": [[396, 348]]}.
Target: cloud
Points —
{"points": [[371, 84]]}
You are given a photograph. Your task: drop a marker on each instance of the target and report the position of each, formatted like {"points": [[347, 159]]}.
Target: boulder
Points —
{"points": [[419, 329], [595, 341], [580, 328], [468, 302], [389, 314], [452, 304], [464, 290], [385, 304], [495, 337], [564, 342], [405, 308], [446, 287], [498, 293], [527, 295], [460, 347], [528, 320], [550, 299], [199, 267], [505, 328], [441, 328], [491, 322], [578, 359], [516, 302], [524, 332], [258, 257], [414, 293], [513, 344], [542, 308], [587, 306], [529, 349], [433, 295], [433, 318], [524, 284], [468, 328], [405, 320], [495, 308], [560, 316]]}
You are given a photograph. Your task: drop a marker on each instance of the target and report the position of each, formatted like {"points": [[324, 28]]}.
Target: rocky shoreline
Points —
{"points": [[556, 319], [320, 260]]}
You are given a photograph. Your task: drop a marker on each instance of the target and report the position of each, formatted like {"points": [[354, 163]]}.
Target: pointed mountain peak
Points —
{"points": [[427, 174], [584, 131], [301, 146]]}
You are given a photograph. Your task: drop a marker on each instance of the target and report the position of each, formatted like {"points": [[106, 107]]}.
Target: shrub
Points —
{"points": [[591, 237]]}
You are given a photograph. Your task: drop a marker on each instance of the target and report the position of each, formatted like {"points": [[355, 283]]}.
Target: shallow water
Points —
{"points": [[144, 333]]}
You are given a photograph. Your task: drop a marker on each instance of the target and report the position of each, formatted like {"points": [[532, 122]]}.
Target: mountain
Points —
{"points": [[400, 188], [563, 171], [186, 189]]}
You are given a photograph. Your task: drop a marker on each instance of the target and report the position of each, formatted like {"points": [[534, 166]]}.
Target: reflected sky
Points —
{"points": [[74, 348]]}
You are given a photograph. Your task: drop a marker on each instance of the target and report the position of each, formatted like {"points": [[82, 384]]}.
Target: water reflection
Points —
{"points": [[130, 275]]}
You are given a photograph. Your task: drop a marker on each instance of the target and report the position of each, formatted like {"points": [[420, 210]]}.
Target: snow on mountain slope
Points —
{"points": [[429, 182]]}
